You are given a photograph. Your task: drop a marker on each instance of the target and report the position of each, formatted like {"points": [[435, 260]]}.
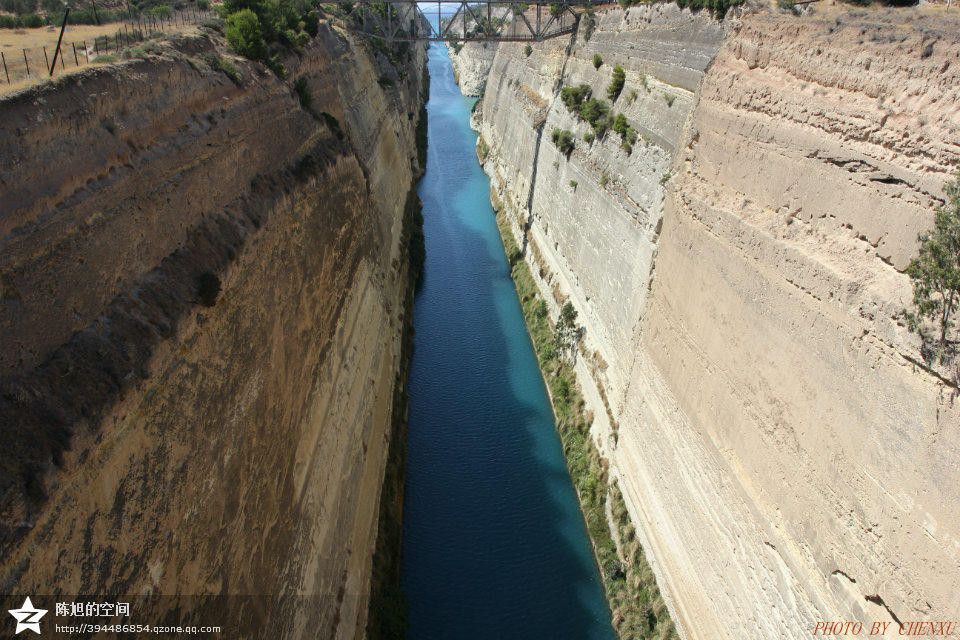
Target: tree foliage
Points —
{"points": [[245, 34], [566, 333], [579, 102], [564, 140], [616, 83], [289, 22], [935, 275]]}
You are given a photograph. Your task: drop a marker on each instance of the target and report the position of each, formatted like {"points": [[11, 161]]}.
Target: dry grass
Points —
{"points": [[33, 49]]}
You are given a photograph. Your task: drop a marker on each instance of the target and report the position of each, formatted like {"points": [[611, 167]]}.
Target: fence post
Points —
{"points": [[25, 61], [86, 53], [56, 53], [46, 60], [5, 66], [76, 60]]}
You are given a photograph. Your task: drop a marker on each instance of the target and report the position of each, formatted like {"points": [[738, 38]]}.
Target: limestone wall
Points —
{"points": [[782, 447], [471, 65]]}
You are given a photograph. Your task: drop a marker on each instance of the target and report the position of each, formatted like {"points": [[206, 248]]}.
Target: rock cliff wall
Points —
{"points": [[471, 65], [162, 437], [787, 456]]}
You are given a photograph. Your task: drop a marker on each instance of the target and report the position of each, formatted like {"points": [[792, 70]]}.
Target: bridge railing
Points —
{"points": [[484, 20]]}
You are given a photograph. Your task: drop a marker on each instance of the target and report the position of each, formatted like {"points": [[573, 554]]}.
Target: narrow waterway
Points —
{"points": [[494, 545]]}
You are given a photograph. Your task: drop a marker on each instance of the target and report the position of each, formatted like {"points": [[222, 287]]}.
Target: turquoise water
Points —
{"points": [[494, 545]]}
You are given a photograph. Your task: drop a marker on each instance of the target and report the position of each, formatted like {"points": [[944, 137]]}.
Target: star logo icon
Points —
{"points": [[28, 617]]}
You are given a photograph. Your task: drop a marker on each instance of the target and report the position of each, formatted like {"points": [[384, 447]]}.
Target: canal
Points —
{"points": [[494, 545]]}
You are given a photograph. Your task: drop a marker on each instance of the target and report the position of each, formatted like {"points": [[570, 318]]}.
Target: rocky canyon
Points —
{"points": [[205, 283], [785, 451]]}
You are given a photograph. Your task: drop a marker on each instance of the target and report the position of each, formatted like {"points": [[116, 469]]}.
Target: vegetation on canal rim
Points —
{"points": [[717, 8], [935, 275], [637, 607]]}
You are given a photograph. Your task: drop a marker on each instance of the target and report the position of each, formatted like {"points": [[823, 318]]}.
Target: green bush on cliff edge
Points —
{"points": [[252, 25]]}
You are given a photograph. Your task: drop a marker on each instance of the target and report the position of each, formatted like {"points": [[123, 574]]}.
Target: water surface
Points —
{"points": [[494, 545]]}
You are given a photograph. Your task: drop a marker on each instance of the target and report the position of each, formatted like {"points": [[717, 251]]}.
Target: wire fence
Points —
{"points": [[43, 61]]}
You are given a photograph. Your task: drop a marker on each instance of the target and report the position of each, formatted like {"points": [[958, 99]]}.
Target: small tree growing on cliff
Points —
{"points": [[616, 83], [566, 333], [245, 35], [935, 274]]}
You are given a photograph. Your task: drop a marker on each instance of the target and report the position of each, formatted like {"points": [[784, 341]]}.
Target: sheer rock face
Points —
{"points": [[471, 65], [785, 452], [235, 449]]}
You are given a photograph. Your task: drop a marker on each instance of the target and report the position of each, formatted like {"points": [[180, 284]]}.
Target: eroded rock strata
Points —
{"points": [[205, 282], [785, 452]]}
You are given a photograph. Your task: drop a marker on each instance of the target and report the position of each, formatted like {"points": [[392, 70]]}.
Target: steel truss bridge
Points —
{"points": [[479, 21]]}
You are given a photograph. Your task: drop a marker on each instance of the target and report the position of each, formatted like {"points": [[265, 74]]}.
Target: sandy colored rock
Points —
{"points": [[786, 454]]}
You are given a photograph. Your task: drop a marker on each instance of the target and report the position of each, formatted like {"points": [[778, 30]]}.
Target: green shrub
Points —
{"points": [[130, 53], [620, 125], [596, 112], [105, 58], [604, 179], [588, 23], [245, 36], [589, 137], [527, 50], [580, 104], [668, 98], [203, 5], [573, 184], [597, 61], [283, 21], [216, 24], [161, 11], [564, 140], [616, 83], [31, 21], [935, 275], [302, 89], [18, 7], [573, 97], [218, 63]]}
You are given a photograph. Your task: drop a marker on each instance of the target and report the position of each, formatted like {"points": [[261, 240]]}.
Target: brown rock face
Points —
{"points": [[203, 288]]}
